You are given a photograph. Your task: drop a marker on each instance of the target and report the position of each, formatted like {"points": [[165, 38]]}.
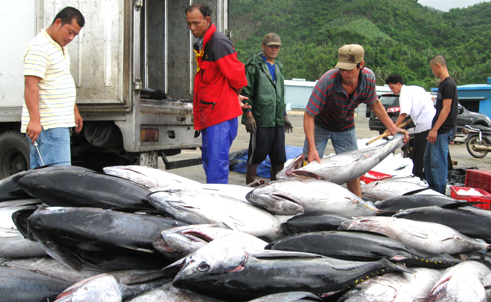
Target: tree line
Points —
{"points": [[399, 36]]}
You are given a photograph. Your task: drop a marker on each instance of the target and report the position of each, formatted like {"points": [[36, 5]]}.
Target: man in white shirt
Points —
{"points": [[416, 103]]}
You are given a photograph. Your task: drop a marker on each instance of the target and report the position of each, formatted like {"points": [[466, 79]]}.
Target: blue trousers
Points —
{"points": [[54, 147], [436, 164], [216, 143], [341, 141]]}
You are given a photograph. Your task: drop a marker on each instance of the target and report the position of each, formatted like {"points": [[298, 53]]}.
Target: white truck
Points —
{"points": [[126, 49]]}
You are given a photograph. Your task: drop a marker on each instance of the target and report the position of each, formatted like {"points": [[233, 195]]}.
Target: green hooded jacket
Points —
{"points": [[266, 99]]}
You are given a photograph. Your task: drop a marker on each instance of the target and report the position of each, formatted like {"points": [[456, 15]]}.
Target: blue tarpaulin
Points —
{"points": [[238, 161]]}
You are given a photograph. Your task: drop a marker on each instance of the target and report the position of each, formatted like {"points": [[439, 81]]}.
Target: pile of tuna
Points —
{"points": [[141, 234]]}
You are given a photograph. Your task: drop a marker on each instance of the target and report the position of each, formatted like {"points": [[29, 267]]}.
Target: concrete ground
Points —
{"points": [[458, 151]]}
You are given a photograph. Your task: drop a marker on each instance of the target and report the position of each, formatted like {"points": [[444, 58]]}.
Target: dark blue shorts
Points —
{"points": [[267, 141]]}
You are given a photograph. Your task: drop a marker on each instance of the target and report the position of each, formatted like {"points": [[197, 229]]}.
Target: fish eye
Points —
{"points": [[203, 267]]}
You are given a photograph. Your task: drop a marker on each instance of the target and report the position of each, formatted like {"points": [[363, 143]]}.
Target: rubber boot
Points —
{"points": [[275, 169], [250, 173]]}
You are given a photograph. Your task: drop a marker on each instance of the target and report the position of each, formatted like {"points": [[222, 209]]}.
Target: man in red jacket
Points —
{"points": [[219, 79]]}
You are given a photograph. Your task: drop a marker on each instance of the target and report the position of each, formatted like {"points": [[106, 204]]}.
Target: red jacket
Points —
{"points": [[219, 74]]}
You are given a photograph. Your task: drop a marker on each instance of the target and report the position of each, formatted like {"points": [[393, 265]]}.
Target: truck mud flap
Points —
{"points": [[180, 163]]}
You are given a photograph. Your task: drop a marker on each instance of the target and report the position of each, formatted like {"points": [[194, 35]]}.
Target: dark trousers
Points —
{"points": [[418, 153]]}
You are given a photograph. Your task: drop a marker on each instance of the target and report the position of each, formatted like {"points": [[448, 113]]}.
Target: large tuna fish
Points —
{"points": [[197, 207], [288, 297], [224, 269], [415, 201], [462, 283], [11, 191], [359, 246], [149, 177], [304, 195], [14, 245], [24, 286], [112, 287], [425, 236], [169, 293], [12, 242], [98, 288], [104, 238], [179, 242], [347, 166], [394, 287], [157, 180], [466, 222], [50, 267], [395, 187], [79, 188]]}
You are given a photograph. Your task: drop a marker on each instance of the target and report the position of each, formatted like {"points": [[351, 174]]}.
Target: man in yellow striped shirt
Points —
{"points": [[49, 109]]}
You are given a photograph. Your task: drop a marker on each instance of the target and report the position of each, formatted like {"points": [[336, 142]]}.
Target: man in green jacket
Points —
{"points": [[266, 120]]}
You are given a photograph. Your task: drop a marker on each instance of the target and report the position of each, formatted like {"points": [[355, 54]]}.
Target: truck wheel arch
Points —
{"points": [[14, 153]]}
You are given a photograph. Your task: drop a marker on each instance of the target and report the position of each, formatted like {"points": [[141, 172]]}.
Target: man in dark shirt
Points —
{"points": [[330, 110], [440, 135]]}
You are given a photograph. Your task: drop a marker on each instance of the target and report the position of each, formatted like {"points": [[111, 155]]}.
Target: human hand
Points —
{"points": [[33, 130], [79, 122], [431, 138], [313, 155], [288, 125], [250, 124], [243, 105]]}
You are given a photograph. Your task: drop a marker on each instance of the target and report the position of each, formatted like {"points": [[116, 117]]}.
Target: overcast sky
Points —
{"points": [[446, 5]]}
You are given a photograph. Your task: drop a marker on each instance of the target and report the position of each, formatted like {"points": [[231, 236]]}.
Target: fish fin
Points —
{"points": [[171, 270], [387, 212], [265, 254], [415, 191], [460, 205], [137, 249], [487, 246]]}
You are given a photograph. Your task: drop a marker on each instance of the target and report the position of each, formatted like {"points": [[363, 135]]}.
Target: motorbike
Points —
{"points": [[477, 140]]}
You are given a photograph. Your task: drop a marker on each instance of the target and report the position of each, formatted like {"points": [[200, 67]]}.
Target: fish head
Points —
{"points": [[102, 287], [215, 260], [200, 265], [178, 242], [173, 200], [275, 200], [294, 165]]}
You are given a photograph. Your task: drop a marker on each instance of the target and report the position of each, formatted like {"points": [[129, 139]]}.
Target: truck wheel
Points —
{"points": [[14, 153]]}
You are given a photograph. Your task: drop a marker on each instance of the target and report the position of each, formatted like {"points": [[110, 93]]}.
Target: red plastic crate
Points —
{"points": [[371, 176], [476, 178], [486, 197]]}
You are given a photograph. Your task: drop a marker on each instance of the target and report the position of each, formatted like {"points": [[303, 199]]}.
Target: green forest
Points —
{"points": [[399, 36]]}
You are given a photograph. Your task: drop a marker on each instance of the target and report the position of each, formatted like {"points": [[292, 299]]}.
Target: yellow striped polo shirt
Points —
{"points": [[45, 58]]}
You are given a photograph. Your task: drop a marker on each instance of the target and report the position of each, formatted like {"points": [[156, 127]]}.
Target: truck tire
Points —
{"points": [[14, 153]]}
